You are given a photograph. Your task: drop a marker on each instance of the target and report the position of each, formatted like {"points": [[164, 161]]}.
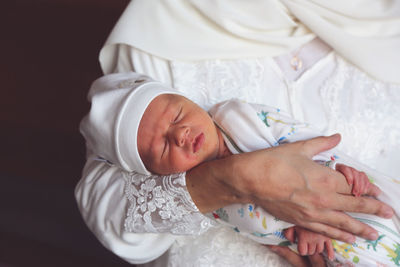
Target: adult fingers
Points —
{"points": [[293, 258], [359, 204], [332, 201], [319, 144], [326, 212], [339, 225]]}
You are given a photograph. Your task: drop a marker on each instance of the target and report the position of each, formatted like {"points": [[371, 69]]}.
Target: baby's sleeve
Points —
{"points": [[253, 222], [285, 129]]}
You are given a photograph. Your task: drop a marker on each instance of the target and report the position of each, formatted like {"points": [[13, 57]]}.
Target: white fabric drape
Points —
{"points": [[365, 32]]}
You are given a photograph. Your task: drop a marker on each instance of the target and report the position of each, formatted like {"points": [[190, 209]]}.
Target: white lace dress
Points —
{"points": [[332, 95]]}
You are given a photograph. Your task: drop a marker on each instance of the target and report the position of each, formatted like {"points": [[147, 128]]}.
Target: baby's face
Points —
{"points": [[175, 135]]}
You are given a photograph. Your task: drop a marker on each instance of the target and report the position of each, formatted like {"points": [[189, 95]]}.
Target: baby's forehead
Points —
{"points": [[158, 106], [167, 99]]}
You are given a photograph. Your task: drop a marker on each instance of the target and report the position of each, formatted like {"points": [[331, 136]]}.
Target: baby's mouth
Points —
{"points": [[198, 142]]}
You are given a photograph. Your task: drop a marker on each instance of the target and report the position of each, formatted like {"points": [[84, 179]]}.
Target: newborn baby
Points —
{"points": [[154, 129], [176, 135]]}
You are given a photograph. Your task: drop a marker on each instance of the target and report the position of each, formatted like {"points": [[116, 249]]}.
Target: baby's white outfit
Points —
{"points": [[249, 127]]}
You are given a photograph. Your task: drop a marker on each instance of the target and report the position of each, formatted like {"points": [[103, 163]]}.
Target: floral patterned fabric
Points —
{"points": [[248, 127]]}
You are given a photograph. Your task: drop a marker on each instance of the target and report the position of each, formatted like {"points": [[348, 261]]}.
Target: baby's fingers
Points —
{"points": [[290, 234], [302, 247], [372, 190], [320, 247], [312, 247], [347, 172], [366, 183], [329, 250], [358, 183]]}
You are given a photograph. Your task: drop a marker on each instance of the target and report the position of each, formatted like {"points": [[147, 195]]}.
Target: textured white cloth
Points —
{"points": [[365, 32]]}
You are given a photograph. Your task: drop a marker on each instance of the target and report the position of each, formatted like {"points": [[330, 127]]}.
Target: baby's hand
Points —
{"points": [[308, 242], [357, 179]]}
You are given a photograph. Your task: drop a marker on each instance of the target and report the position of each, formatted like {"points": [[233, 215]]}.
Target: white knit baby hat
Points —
{"points": [[119, 101]]}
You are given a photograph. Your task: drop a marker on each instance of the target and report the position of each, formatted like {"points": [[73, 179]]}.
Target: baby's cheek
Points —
{"points": [[184, 162], [192, 160]]}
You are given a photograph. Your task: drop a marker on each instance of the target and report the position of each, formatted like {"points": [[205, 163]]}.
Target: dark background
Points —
{"points": [[48, 60]]}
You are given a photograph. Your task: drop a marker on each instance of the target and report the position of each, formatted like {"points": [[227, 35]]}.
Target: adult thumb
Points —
{"points": [[319, 144]]}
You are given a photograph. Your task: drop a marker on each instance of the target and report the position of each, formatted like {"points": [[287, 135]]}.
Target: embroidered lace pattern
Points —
{"points": [[366, 112], [213, 81], [162, 204]]}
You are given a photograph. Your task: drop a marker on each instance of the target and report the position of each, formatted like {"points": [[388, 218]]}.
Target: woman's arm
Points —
{"points": [[103, 205], [289, 185], [136, 203]]}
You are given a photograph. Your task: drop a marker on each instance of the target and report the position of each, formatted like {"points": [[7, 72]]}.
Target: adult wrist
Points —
{"points": [[212, 184]]}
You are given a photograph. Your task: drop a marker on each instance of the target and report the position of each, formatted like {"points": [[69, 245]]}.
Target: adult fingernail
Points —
{"points": [[372, 236]]}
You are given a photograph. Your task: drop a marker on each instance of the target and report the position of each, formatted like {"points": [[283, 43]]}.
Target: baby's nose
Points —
{"points": [[181, 135]]}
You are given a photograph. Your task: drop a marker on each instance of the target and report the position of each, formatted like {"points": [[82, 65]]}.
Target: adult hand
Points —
{"points": [[296, 260], [289, 185]]}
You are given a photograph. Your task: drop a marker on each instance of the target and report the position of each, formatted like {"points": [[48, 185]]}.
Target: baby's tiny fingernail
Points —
{"points": [[350, 239], [372, 236], [387, 213]]}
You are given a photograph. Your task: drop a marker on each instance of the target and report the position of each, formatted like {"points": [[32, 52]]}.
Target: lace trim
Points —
{"points": [[162, 204]]}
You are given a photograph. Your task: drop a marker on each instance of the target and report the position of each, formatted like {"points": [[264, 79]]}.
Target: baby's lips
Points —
{"points": [[198, 142]]}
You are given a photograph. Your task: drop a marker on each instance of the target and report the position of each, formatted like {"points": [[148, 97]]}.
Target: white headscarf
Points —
{"points": [[365, 32]]}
